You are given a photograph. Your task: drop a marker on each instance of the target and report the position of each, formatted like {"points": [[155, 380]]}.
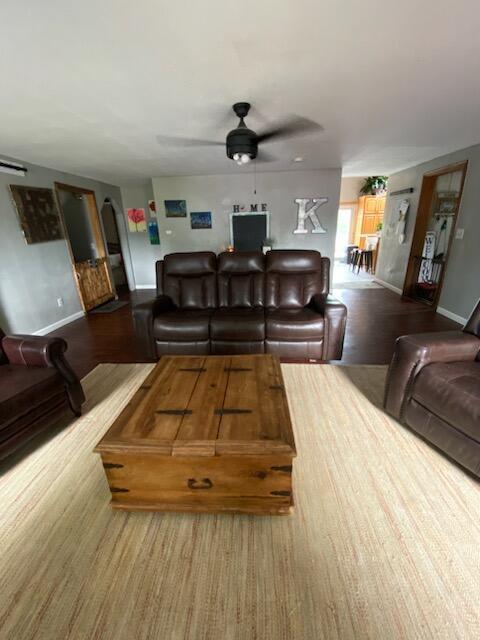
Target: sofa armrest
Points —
{"points": [[33, 351], [414, 352], [335, 316], [143, 316]]}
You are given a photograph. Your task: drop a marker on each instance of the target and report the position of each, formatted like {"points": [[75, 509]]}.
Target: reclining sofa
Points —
{"points": [[433, 387], [241, 303]]}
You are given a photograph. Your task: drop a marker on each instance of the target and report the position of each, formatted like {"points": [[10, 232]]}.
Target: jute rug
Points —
{"points": [[383, 544]]}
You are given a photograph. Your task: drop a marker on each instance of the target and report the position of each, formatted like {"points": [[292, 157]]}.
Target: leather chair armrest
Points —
{"points": [[33, 351], [40, 351], [414, 352], [143, 316], [335, 316]]}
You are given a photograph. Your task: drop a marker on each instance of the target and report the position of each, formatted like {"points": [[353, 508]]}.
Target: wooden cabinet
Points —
{"points": [[369, 215]]}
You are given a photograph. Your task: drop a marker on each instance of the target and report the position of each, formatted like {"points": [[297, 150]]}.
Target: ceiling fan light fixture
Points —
{"points": [[245, 158]]}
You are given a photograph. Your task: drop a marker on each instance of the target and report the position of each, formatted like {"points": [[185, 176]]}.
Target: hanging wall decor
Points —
{"points": [[176, 208], [153, 232], [310, 213], [201, 220], [152, 207], [37, 212], [136, 220]]}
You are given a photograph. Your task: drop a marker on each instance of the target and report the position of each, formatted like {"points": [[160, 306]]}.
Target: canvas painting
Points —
{"points": [[152, 207], [38, 213], [176, 208], [153, 232], [201, 220], [136, 220]]}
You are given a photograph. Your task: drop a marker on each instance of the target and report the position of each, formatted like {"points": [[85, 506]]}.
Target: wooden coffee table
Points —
{"points": [[204, 434]]}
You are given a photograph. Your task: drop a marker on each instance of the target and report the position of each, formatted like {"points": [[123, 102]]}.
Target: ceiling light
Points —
{"points": [[298, 159], [245, 158]]}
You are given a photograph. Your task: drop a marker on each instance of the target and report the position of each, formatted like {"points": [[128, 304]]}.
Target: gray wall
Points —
{"points": [[461, 288], [217, 193], [143, 254], [32, 277]]}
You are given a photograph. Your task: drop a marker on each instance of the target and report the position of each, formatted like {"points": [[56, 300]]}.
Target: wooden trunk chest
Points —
{"points": [[206, 434]]}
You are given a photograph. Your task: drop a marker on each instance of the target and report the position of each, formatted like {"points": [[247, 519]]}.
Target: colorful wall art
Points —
{"points": [[176, 208], [152, 207], [136, 220], [201, 220], [153, 232], [38, 213]]}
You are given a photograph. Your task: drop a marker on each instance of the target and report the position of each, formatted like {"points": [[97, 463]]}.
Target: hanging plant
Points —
{"points": [[374, 186]]}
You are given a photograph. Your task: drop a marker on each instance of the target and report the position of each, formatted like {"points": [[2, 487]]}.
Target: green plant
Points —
{"points": [[373, 185], [379, 226]]}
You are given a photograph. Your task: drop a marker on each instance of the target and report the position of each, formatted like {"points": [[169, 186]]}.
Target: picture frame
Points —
{"points": [[201, 219], [175, 208], [38, 213], [446, 203]]}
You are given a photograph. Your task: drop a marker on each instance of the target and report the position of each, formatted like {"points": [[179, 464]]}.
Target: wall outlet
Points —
{"points": [[459, 234], [59, 302]]}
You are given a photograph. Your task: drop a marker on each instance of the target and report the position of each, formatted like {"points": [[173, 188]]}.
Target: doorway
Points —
{"points": [[438, 208], [114, 247], [86, 245]]}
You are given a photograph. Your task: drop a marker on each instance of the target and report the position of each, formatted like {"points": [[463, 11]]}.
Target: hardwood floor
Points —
{"points": [[376, 317]]}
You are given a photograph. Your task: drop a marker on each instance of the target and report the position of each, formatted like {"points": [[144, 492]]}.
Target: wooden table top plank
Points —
{"points": [[168, 406], [273, 406], [202, 422], [240, 420]]}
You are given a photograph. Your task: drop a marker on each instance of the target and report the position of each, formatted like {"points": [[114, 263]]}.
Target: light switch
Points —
{"points": [[459, 234], [168, 232]]}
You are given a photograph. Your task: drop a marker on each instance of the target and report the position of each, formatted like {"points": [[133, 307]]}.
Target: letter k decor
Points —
{"points": [[303, 214]]}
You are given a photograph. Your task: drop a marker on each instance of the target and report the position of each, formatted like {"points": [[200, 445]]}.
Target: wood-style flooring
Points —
{"points": [[376, 317]]}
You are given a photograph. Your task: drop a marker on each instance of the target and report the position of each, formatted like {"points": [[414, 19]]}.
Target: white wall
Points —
{"points": [[218, 194], [461, 288], [33, 276]]}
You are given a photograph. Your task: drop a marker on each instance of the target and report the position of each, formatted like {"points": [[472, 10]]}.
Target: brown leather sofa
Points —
{"points": [[36, 385], [433, 387], [243, 302]]}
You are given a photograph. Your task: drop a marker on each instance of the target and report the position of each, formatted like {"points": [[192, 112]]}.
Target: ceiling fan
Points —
{"points": [[242, 142]]}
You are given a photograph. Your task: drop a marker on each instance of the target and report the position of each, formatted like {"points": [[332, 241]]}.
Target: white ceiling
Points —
{"points": [[86, 86]]}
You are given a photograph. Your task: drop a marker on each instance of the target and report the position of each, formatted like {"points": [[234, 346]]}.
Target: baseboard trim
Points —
{"points": [[387, 285], [60, 323], [145, 286], [451, 316]]}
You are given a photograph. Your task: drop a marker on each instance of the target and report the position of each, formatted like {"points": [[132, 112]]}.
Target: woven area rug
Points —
{"points": [[383, 543]]}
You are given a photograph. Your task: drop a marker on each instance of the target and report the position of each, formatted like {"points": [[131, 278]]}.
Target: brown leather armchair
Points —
{"points": [[433, 387], [243, 302], [36, 386]]}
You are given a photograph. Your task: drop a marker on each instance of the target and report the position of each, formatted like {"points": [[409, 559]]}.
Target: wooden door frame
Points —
{"points": [[421, 223], [96, 226]]}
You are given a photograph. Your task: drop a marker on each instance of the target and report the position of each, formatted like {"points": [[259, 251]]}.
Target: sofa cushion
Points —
{"points": [[22, 389], [182, 326], [241, 279], [292, 278], [190, 279], [293, 324], [451, 391], [238, 324]]}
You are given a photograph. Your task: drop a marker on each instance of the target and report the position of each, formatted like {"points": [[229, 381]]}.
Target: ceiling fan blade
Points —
{"points": [[265, 157], [289, 128], [188, 142]]}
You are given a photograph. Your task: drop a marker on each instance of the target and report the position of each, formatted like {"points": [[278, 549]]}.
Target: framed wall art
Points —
{"points": [[176, 208], [136, 220], [201, 220], [38, 213]]}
